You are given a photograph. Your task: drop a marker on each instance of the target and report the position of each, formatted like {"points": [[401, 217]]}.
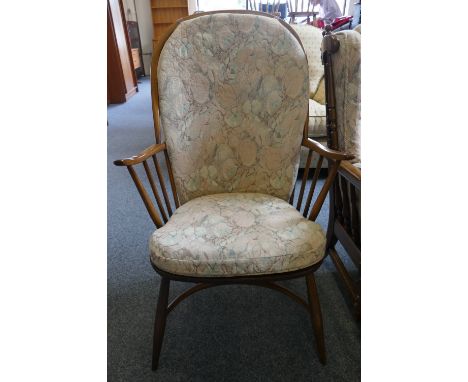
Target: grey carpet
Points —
{"points": [[229, 333]]}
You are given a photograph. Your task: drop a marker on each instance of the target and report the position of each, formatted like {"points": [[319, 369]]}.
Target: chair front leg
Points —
{"points": [[160, 320], [316, 316]]}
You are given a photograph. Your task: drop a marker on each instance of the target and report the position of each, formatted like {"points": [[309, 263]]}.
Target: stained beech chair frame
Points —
{"points": [[344, 223], [310, 210], [303, 12]]}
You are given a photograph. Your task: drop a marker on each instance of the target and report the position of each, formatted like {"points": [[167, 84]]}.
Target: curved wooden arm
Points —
{"points": [[351, 169], [325, 151], [351, 173], [142, 156], [161, 217]]}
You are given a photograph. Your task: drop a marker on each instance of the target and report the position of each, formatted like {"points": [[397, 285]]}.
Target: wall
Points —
{"points": [[145, 23], [129, 10], [140, 11]]}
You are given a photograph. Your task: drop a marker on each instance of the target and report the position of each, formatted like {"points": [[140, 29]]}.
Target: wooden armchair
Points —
{"points": [[230, 94], [341, 55], [302, 9]]}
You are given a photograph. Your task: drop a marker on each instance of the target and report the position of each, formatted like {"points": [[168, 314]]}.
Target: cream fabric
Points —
{"points": [[236, 234], [347, 75], [233, 92], [317, 120], [311, 38], [319, 94]]}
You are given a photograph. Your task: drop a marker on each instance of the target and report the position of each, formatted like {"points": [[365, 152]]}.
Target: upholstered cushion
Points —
{"points": [[233, 92], [236, 234], [347, 75], [317, 119], [319, 93], [311, 38]]}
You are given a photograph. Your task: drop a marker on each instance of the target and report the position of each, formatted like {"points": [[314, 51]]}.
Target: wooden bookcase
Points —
{"points": [[166, 12]]}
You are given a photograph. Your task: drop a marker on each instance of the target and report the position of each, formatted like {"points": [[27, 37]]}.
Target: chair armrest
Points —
{"points": [[142, 156], [161, 217], [334, 159], [325, 151], [351, 173]]}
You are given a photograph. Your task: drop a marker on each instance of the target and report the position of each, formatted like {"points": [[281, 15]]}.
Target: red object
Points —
{"points": [[340, 21], [320, 24]]}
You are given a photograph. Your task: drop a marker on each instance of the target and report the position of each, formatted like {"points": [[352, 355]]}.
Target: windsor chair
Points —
{"points": [[341, 54], [301, 9], [230, 94]]}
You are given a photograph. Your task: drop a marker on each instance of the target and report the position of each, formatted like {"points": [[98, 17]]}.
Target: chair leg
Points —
{"points": [[160, 320], [316, 316]]}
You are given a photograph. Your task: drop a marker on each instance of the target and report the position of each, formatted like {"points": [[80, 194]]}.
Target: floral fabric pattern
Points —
{"points": [[311, 38], [319, 94], [233, 91], [236, 234], [347, 75], [317, 120]]}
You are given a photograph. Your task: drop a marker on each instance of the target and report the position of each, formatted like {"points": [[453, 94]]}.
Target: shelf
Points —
{"points": [[160, 4], [168, 15]]}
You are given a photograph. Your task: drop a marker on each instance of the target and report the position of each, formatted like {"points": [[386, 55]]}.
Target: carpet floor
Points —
{"points": [[229, 333]]}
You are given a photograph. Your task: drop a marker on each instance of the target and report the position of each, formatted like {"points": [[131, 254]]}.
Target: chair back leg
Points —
{"points": [[160, 320], [316, 316]]}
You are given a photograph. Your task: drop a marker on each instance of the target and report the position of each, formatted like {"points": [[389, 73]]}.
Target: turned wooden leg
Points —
{"points": [[316, 316], [160, 321]]}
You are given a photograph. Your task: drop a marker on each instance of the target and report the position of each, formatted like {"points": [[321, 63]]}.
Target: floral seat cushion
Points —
{"points": [[236, 234]]}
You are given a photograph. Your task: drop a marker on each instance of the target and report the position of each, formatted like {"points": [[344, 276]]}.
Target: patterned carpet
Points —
{"points": [[229, 333]]}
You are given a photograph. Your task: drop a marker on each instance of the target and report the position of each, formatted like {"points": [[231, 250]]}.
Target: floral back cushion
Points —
{"points": [[347, 75], [233, 96]]}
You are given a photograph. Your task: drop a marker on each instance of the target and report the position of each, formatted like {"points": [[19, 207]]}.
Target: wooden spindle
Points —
{"points": [[145, 197], [332, 170], [171, 179], [355, 220], [163, 185], [304, 180], [312, 187], [155, 190], [338, 202], [291, 198], [346, 206], [348, 281]]}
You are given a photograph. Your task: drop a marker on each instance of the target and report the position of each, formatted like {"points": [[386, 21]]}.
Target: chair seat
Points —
{"points": [[236, 234]]}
